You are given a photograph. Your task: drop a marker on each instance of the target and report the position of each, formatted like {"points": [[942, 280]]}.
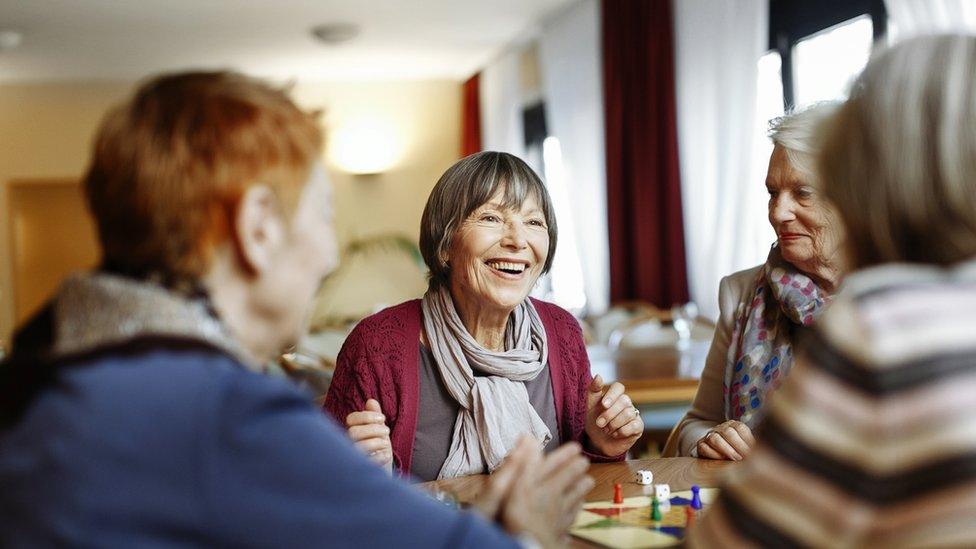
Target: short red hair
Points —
{"points": [[170, 165]]}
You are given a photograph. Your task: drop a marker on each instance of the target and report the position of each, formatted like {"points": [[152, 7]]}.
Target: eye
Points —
{"points": [[537, 223], [772, 193], [490, 218], [804, 192]]}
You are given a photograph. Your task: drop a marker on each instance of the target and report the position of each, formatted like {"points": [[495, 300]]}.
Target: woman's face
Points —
{"points": [[806, 227], [498, 253]]}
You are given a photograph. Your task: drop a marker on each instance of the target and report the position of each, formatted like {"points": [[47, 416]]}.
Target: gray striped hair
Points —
{"points": [[899, 158]]}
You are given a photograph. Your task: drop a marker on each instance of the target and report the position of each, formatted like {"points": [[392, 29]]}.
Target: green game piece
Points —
{"points": [[655, 510]]}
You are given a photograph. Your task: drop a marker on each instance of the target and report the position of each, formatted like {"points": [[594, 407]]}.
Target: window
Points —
{"points": [[564, 283], [823, 45], [825, 64], [566, 276]]}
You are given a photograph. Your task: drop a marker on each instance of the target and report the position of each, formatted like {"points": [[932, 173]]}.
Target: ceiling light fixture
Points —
{"points": [[365, 144], [333, 34]]}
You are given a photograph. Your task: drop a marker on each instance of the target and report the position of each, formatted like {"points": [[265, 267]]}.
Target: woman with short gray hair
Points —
{"points": [[442, 387], [762, 307]]}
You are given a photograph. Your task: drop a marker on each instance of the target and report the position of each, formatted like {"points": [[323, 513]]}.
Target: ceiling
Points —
{"points": [[128, 39]]}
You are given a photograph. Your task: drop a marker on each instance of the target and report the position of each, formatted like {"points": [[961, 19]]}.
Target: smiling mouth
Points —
{"points": [[507, 267]]}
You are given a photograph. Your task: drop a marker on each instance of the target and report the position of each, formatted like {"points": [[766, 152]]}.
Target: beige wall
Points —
{"points": [[424, 120], [45, 132], [51, 234]]}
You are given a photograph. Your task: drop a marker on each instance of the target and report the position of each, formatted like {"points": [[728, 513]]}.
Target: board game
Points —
{"points": [[629, 526]]}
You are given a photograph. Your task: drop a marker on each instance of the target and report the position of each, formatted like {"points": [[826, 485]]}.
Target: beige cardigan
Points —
{"points": [[708, 409]]}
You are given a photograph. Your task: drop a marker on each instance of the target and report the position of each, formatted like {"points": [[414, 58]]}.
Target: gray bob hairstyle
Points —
{"points": [[899, 158], [464, 187]]}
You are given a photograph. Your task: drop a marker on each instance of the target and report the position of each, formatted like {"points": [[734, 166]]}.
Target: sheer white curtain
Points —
{"points": [[500, 92], [570, 66], [912, 17], [718, 45]]}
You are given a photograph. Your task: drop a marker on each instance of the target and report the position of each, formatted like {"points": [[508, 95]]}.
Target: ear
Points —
{"points": [[259, 230], [445, 250]]}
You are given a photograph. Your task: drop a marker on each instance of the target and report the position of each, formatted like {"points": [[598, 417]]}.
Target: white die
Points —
{"points": [[645, 477], [662, 492]]}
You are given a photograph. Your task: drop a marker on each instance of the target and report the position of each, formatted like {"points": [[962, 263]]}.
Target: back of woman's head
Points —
{"points": [[169, 166], [899, 158]]}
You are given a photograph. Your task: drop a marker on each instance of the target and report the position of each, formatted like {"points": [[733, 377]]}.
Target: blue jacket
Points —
{"points": [[162, 446]]}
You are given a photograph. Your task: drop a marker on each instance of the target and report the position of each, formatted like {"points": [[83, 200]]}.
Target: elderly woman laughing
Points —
{"points": [[752, 350], [442, 387]]}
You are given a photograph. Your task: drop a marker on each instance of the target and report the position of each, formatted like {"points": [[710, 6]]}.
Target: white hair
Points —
{"points": [[797, 133]]}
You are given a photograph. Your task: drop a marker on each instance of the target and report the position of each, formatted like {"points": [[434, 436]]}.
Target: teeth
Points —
{"points": [[505, 266]]}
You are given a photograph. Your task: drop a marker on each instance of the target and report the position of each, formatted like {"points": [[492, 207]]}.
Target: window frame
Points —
{"points": [[790, 21]]}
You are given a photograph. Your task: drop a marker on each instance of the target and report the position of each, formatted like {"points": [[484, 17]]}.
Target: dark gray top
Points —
{"points": [[438, 411]]}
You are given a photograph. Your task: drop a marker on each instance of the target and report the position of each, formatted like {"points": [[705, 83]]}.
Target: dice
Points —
{"points": [[645, 478]]}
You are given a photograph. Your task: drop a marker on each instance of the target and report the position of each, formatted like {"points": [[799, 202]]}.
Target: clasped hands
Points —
{"points": [[731, 440], [613, 424], [529, 494]]}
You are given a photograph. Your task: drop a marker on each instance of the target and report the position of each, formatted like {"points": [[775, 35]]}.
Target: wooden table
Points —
{"points": [[680, 473]]}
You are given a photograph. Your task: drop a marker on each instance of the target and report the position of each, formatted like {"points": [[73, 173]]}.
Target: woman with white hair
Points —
{"points": [[870, 442], [761, 307]]}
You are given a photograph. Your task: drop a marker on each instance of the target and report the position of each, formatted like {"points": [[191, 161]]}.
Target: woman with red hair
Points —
{"points": [[133, 410]]}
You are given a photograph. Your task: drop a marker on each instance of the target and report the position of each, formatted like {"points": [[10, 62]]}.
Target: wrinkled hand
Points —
{"points": [[369, 432], [536, 495], [731, 440], [613, 425]]}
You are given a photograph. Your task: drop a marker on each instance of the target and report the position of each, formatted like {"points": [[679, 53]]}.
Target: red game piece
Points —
{"points": [[689, 517], [618, 494]]}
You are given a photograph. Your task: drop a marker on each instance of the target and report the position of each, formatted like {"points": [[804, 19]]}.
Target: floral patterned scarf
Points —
{"points": [[761, 352]]}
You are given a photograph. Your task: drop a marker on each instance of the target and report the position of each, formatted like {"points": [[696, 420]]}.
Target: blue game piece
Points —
{"points": [[696, 502]]}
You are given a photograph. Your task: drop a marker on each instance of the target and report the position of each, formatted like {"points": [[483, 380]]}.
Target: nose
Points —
{"points": [[781, 210], [514, 237]]}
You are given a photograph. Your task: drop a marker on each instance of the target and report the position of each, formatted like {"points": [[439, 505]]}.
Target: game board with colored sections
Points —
{"points": [[629, 526]]}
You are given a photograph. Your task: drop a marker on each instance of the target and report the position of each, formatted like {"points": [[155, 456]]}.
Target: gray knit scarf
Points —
{"points": [[100, 309], [495, 408]]}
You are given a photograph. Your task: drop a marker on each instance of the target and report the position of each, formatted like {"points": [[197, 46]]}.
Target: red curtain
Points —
{"points": [[470, 117], [647, 254]]}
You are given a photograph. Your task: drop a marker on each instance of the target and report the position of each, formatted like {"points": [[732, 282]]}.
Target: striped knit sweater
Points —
{"points": [[871, 442]]}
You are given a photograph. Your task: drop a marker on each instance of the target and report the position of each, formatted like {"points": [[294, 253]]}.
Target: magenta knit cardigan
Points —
{"points": [[380, 359]]}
